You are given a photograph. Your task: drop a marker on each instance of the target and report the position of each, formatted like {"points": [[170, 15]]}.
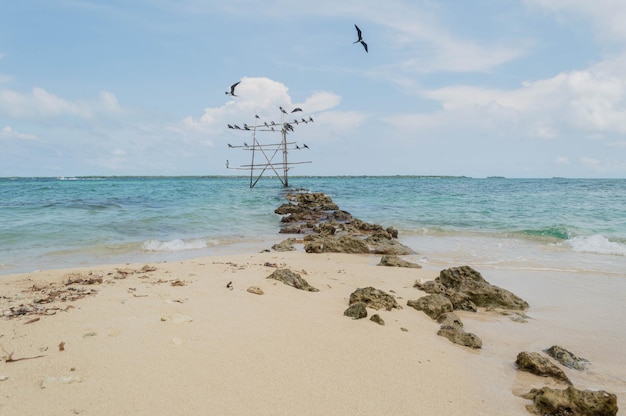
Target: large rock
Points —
{"points": [[571, 402], [566, 358], [535, 363], [457, 335], [395, 261], [387, 246], [374, 298], [292, 279], [474, 288], [432, 305], [285, 245]]}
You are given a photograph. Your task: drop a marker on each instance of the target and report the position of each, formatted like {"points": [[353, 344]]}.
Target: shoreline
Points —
{"points": [[143, 339]]}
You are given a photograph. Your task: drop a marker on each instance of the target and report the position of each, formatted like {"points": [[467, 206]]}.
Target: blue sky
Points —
{"points": [[526, 88]]}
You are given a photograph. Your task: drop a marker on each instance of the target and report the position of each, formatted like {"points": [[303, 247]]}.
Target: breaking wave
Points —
{"points": [[598, 244], [177, 244]]}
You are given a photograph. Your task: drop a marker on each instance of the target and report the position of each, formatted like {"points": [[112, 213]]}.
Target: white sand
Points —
{"points": [[140, 347]]}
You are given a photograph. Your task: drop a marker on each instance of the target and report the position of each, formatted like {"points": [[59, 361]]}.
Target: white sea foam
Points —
{"points": [[176, 245], [596, 244]]}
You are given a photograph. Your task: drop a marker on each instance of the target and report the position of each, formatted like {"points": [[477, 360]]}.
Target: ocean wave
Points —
{"points": [[598, 244], [177, 244]]}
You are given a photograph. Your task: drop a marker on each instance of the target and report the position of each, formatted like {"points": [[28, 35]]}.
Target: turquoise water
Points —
{"points": [[536, 223]]}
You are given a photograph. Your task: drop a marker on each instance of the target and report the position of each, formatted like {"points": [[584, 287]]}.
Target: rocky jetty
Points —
{"points": [[327, 229]]}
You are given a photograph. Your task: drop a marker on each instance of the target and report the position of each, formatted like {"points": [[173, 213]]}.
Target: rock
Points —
{"points": [[4, 378], [457, 335], [356, 311], [566, 358], [286, 209], [255, 290], [395, 261], [385, 246], [83, 279], [332, 244], [471, 283], [535, 363], [285, 245], [376, 318], [374, 298], [431, 286], [432, 305], [450, 319], [571, 402], [290, 229], [292, 279]]}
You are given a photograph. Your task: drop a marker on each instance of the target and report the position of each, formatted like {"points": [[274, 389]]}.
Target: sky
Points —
{"points": [[514, 88]]}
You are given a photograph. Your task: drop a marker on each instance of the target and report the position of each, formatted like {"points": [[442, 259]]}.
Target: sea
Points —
{"points": [[558, 243], [560, 224]]}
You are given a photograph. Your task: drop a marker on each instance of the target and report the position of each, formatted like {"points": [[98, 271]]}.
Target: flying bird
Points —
{"points": [[360, 38], [296, 109], [232, 89]]}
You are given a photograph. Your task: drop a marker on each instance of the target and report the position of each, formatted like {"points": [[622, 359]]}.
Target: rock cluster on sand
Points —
{"points": [[571, 402], [567, 402], [327, 229], [371, 298], [461, 288]]}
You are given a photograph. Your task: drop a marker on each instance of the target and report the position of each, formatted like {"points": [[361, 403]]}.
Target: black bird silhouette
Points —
{"points": [[305, 146], [283, 110], [237, 127], [311, 119], [226, 163], [256, 116], [230, 145], [245, 144], [297, 147], [273, 124], [232, 89], [304, 121], [296, 109], [229, 285], [230, 127], [360, 38], [265, 122]]}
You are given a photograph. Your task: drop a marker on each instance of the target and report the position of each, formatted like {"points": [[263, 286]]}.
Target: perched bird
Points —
{"points": [[273, 129], [229, 285], [296, 109], [311, 119], [305, 146], [226, 163], [245, 144], [295, 121], [230, 145], [256, 116], [304, 121], [232, 89], [265, 122], [297, 147], [283, 110], [237, 127], [273, 124], [360, 38]]}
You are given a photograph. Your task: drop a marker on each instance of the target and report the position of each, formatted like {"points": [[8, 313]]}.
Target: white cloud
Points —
{"points": [[9, 133], [258, 96], [40, 105], [562, 160]]}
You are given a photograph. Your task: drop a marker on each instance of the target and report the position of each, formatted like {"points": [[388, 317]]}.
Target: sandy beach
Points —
{"points": [[172, 338]]}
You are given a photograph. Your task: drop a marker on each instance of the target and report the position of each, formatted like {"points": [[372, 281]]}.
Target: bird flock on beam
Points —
{"points": [[284, 126]]}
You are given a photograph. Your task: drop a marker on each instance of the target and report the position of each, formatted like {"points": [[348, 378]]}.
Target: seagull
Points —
{"points": [[296, 109], [232, 89], [360, 38], [305, 146], [229, 285]]}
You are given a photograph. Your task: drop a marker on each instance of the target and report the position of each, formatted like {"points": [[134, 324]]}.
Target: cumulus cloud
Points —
{"points": [[258, 96], [40, 104]]}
